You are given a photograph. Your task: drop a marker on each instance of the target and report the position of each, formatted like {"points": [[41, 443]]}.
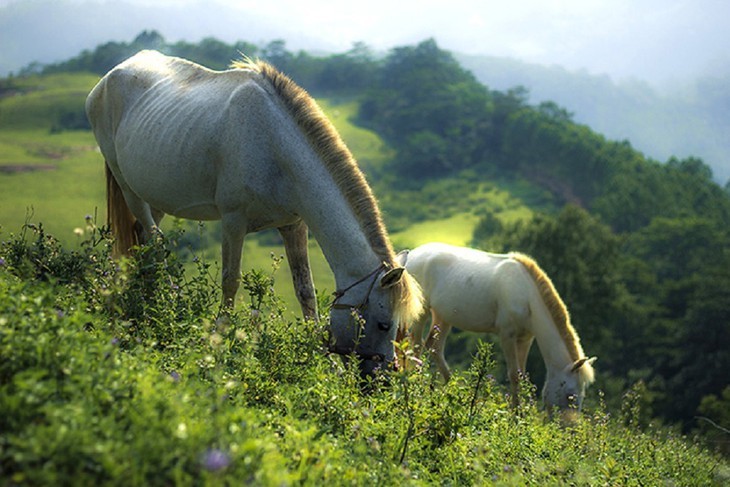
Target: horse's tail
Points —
{"points": [[119, 218]]}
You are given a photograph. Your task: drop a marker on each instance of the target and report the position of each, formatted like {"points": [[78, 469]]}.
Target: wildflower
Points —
{"points": [[182, 431], [79, 232], [2, 262], [216, 340], [215, 460], [175, 376]]}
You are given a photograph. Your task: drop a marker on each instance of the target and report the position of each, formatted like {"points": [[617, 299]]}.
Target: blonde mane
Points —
{"points": [[327, 143], [558, 312]]}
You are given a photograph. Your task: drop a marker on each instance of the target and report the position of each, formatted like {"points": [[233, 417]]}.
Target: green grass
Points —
{"points": [[119, 375], [60, 195], [456, 230], [38, 101], [367, 147]]}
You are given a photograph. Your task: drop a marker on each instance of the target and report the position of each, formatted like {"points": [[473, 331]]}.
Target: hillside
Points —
{"points": [[681, 121], [637, 249], [119, 375]]}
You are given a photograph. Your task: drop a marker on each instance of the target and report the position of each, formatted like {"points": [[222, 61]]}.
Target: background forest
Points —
{"points": [[639, 249]]}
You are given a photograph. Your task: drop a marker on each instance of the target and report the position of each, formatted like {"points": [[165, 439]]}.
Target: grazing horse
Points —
{"points": [[507, 294], [249, 147]]}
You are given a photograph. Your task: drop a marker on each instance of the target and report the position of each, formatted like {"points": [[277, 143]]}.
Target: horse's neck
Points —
{"points": [[331, 219], [343, 243], [553, 348]]}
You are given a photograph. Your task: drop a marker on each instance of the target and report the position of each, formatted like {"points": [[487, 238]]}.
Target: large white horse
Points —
{"points": [[507, 294], [251, 148]]}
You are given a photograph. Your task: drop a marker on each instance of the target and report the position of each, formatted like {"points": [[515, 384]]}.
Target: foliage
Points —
{"points": [[640, 254], [89, 398], [430, 109]]}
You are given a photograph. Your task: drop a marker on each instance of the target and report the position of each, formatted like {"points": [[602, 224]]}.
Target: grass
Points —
{"points": [[369, 149], [456, 230], [118, 374], [37, 102]]}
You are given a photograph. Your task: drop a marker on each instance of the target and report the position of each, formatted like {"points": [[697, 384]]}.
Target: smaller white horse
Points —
{"points": [[507, 294]]}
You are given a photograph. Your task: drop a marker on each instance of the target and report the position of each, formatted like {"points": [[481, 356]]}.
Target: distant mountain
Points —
{"points": [[692, 121]]}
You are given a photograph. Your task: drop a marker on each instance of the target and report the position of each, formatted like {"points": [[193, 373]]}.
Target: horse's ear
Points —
{"points": [[402, 257], [392, 277], [579, 363]]}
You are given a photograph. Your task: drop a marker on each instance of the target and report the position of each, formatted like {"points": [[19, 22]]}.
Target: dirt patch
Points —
{"points": [[21, 168]]}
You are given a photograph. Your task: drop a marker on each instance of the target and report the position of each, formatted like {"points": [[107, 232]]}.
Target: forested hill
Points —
{"points": [[637, 248]]}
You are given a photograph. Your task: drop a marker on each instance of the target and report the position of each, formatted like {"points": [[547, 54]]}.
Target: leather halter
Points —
{"points": [[376, 357], [340, 293]]}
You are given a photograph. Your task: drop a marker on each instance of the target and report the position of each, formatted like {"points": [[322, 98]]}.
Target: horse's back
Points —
{"points": [[468, 288], [171, 131], [150, 78]]}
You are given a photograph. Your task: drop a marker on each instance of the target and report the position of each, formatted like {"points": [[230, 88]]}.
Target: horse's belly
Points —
{"points": [[465, 309], [172, 188]]}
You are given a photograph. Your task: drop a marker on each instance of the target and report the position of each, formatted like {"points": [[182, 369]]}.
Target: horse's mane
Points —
{"points": [[327, 143], [558, 312]]}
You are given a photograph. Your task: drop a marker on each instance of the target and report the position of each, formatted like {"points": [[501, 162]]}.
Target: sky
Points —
{"points": [[651, 40]]}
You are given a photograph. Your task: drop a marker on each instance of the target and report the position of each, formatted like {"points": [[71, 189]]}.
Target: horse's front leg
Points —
{"points": [[234, 233], [436, 343], [509, 348], [295, 243]]}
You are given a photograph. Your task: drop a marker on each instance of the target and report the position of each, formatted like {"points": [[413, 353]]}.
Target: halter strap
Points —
{"points": [[340, 293]]}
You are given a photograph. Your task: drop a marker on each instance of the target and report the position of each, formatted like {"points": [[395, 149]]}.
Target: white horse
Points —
{"points": [[251, 148], [506, 294]]}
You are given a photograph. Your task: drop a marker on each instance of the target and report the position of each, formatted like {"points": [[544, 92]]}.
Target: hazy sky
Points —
{"points": [[654, 40], [650, 39]]}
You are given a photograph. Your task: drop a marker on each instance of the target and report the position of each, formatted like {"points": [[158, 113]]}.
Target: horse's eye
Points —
{"points": [[384, 326]]}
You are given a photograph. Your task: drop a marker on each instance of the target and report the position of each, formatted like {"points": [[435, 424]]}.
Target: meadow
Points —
{"points": [[116, 372]]}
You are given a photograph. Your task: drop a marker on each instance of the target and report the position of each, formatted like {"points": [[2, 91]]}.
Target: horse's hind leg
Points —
{"points": [[295, 243], [234, 232], [147, 218]]}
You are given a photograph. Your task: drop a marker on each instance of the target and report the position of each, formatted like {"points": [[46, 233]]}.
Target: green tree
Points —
{"points": [[686, 335], [423, 95]]}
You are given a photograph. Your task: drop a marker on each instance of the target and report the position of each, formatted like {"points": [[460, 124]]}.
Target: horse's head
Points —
{"points": [[366, 316], [565, 389]]}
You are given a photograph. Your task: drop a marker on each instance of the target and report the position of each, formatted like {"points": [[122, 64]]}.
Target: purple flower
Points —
{"points": [[2, 262], [215, 460], [175, 376], [114, 341]]}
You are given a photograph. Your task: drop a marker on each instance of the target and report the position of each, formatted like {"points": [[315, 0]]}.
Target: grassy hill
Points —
{"points": [[103, 385], [259, 400]]}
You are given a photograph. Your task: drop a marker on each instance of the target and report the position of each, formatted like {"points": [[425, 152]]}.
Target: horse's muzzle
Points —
{"points": [[370, 362]]}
